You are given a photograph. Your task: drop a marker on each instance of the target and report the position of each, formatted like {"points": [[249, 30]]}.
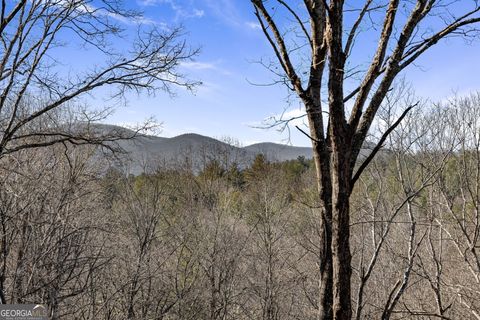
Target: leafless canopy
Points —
{"points": [[35, 80]]}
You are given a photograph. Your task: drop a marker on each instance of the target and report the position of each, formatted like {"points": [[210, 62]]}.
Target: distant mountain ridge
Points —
{"points": [[146, 152], [280, 152]]}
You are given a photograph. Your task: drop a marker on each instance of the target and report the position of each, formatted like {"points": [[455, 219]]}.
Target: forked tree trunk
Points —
{"points": [[333, 178], [337, 148], [321, 158]]}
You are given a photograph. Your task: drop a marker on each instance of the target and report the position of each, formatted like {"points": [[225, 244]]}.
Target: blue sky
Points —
{"points": [[228, 105]]}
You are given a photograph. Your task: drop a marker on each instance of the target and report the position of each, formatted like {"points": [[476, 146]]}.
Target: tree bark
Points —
{"points": [[321, 158], [342, 269], [325, 311]]}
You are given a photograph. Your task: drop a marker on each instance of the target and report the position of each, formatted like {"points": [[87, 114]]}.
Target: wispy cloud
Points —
{"points": [[139, 20], [226, 11], [205, 66], [147, 3], [184, 11], [294, 117], [290, 118], [195, 65], [85, 8], [253, 25]]}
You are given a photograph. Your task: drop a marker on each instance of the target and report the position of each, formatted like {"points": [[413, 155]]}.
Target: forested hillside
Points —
{"points": [[378, 218], [231, 243]]}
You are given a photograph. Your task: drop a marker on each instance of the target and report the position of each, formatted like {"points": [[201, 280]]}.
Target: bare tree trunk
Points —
{"points": [[342, 269], [326, 272], [334, 191], [324, 185]]}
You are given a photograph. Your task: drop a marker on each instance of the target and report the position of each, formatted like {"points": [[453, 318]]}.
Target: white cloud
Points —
{"points": [[297, 113], [280, 121], [198, 13], [253, 25], [294, 117], [181, 11], [194, 65], [225, 10], [147, 3], [205, 66], [136, 20], [85, 8]]}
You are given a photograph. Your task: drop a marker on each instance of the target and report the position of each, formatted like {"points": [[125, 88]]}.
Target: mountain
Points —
{"points": [[280, 152], [145, 152]]}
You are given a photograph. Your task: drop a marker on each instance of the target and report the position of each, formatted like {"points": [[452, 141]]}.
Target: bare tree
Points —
{"points": [[51, 248], [454, 203], [327, 42], [34, 84]]}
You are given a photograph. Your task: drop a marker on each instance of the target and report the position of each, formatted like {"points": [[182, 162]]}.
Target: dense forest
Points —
{"points": [[382, 222], [242, 243]]}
